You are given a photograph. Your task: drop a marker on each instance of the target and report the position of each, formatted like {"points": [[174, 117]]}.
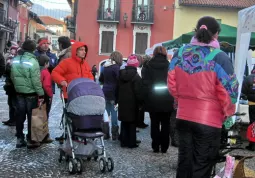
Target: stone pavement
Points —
{"points": [[43, 162]]}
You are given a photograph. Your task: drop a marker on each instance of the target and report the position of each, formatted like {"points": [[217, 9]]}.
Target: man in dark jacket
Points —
{"points": [[248, 89], [43, 48], [2, 65], [64, 47], [10, 91]]}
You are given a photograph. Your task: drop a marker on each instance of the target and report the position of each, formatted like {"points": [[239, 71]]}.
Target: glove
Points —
{"points": [[40, 101]]}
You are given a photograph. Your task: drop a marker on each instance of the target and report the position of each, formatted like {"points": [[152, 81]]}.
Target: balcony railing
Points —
{"points": [[109, 14], [143, 14], [2, 16]]}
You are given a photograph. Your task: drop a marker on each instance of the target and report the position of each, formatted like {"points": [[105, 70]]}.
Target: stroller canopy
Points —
{"points": [[85, 97]]}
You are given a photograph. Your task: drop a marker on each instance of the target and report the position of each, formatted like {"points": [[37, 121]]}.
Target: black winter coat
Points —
{"points": [[129, 94], [2, 65], [154, 85], [248, 89], [9, 87]]}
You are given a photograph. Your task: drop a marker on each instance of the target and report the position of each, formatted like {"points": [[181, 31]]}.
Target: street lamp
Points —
{"points": [[125, 17]]}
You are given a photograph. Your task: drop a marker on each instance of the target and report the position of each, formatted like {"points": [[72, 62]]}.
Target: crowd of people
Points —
{"points": [[198, 85]]}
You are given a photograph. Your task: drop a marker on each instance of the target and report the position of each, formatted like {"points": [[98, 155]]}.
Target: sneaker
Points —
{"points": [[20, 143], [33, 144]]}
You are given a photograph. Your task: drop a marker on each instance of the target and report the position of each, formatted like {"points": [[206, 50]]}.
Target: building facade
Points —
{"points": [[8, 21], [55, 25], [127, 26], [24, 20], [187, 12]]}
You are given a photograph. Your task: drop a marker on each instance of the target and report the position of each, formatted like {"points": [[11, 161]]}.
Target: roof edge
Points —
{"points": [[181, 3]]}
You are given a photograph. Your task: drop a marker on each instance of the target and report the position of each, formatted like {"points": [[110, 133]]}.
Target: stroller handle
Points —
{"points": [[239, 114]]}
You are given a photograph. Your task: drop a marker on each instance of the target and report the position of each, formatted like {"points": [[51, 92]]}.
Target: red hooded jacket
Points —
{"points": [[46, 82], [72, 68]]}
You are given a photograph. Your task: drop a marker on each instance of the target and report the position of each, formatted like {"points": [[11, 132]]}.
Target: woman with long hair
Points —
{"points": [[110, 78]]}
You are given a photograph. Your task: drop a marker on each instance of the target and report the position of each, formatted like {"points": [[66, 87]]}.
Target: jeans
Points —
{"points": [[12, 102], [198, 148], [112, 112], [25, 105]]}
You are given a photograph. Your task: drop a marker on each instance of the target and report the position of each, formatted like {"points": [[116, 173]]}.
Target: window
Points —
{"points": [[141, 38], [107, 38], [141, 43], [107, 42], [109, 9]]}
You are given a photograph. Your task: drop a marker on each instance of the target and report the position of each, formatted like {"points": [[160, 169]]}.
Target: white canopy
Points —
{"points": [[246, 25]]}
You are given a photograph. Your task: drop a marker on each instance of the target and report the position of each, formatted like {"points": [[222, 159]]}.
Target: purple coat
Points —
{"points": [[110, 77]]}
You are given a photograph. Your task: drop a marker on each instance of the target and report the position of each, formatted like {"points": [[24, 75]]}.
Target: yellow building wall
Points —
{"points": [[186, 17]]}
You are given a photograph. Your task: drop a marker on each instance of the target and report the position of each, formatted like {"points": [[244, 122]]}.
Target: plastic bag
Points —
{"points": [[106, 117], [228, 170]]}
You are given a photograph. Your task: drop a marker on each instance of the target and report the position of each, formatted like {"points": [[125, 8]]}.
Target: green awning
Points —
{"points": [[227, 35]]}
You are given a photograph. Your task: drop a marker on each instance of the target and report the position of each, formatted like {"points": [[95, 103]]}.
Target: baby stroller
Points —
{"points": [[83, 115]]}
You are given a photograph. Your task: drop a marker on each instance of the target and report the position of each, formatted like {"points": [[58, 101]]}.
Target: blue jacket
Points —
{"points": [[53, 58]]}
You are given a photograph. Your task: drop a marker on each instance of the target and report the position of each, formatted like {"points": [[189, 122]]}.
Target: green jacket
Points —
{"points": [[25, 74]]}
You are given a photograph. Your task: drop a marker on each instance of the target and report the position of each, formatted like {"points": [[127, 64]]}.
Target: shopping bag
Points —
{"points": [[39, 123]]}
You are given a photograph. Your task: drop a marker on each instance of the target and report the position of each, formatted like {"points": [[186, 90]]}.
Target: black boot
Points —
{"points": [[251, 146], [106, 130], [115, 132]]}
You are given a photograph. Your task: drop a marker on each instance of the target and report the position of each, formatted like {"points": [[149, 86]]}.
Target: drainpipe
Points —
{"points": [[8, 4]]}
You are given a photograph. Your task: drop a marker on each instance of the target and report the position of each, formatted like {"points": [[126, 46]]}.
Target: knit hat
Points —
{"points": [[43, 59], [132, 61], [29, 46]]}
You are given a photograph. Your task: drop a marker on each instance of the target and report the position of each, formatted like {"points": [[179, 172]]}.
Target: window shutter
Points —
{"points": [[107, 42], [141, 43]]}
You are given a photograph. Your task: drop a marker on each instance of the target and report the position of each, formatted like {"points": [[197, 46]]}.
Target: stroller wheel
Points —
{"points": [[96, 155], [102, 165], [79, 165], [72, 167], [110, 164]]}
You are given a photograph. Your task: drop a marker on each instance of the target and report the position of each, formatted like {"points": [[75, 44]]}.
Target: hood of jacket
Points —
{"points": [[109, 63], [128, 73], [77, 45], [158, 62], [65, 51]]}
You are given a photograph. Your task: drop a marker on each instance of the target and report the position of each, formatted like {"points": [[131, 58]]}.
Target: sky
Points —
{"points": [[53, 4]]}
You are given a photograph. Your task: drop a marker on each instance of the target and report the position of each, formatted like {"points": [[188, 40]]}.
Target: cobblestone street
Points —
{"points": [[43, 162]]}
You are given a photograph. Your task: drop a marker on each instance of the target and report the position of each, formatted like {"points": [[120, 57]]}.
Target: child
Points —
{"points": [[47, 86], [128, 102]]}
